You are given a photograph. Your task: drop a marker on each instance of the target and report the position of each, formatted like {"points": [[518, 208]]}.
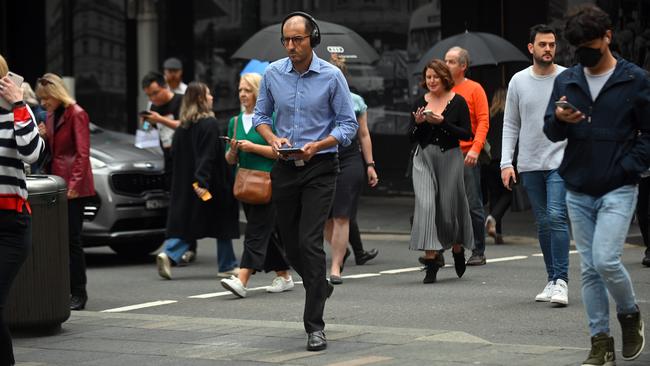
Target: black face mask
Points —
{"points": [[588, 57]]}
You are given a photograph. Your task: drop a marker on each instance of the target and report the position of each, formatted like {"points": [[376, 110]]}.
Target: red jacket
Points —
{"points": [[69, 145]]}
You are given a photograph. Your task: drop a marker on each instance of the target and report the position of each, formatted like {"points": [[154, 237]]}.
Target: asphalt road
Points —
{"points": [[494, 303]]}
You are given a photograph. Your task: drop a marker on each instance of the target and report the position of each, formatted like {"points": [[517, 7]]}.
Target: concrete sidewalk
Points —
{"points": [[98, 339]]}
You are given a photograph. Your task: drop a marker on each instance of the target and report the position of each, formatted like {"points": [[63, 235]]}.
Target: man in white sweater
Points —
{"points": [[538, 159]]}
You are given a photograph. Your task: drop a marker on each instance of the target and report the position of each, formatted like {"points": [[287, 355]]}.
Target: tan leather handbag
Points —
{"points": [[251, 186]]}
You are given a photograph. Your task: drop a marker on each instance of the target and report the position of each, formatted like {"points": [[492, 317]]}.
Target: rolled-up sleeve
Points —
{"points": [[264, 106], [346, 124]]}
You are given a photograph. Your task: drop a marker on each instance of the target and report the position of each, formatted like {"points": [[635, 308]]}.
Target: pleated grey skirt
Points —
{"points": [[441, 216]]}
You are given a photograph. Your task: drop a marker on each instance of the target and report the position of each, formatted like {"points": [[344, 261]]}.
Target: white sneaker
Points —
{"points": [[164, 266], [232, 272], [234, 285], [280, 284], [560, 294], [547, 292]]}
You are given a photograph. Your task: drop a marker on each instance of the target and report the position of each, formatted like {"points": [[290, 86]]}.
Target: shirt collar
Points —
{"points": [[315, 65]]}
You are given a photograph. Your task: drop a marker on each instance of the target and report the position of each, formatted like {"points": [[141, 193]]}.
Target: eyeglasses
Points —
{"points": [[44, 81], [295, 39]]}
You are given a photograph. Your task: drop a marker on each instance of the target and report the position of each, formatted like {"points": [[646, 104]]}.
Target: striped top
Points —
{"points": [[19, 143]]}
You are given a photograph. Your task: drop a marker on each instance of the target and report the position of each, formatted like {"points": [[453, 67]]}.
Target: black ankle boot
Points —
{"points": [[459, 262], [431, 267]]}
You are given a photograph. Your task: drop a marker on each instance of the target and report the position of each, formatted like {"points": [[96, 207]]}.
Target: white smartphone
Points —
{"points": [[16, 79]]}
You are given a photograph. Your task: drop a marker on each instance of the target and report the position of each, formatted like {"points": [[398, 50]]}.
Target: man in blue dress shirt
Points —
{"points": [[314, 112]]}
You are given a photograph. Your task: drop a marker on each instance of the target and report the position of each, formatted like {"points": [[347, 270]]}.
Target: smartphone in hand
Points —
{"points": [[565, 105], [289, 150], [428, 112], [16, 79], [225, 138]]}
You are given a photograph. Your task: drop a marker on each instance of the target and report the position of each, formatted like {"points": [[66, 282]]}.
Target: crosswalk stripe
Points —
{"points": [[139, 306]]}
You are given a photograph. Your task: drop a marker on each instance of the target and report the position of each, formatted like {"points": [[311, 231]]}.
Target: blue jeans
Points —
{"points": [[472, 177], [547, 196], [600, 225], [176, 247]]}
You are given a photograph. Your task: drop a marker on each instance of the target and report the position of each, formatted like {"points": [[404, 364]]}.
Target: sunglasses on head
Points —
{"points": [[44, 81]]}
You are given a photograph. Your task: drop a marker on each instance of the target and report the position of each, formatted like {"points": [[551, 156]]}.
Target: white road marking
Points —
{"points": [[139, 306], [401, 270], [505, 259], [541, 254], [362, 275], [223, 293]]}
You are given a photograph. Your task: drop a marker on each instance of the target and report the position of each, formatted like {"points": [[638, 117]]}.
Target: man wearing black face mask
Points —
{"points": [[607, 128]]}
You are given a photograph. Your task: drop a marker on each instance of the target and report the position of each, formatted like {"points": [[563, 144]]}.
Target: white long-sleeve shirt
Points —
{"points": [[523, 120]]}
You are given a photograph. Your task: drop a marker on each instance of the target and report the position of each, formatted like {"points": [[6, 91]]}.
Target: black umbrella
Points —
{"points": [[483, 48], [265, 45]]}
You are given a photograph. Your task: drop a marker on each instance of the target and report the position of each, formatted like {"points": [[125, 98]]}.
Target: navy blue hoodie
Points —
{"points": [[611, 146]]}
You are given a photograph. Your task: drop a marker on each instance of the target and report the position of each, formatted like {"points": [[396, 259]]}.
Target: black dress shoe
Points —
{"points": [[316, 341], [366, 256], [335, 280], [78, 301]]}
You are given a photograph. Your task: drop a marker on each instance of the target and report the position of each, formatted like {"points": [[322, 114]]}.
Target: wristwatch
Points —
{"points": [[19, 103], [372, 164]]}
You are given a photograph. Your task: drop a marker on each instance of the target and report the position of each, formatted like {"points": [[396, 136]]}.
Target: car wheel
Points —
{"points": [[136, 248]]}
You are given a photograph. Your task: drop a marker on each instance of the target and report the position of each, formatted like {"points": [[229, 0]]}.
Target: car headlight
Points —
{"points": [[96, 163]]}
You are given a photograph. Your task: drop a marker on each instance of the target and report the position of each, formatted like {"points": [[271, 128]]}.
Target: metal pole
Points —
{"points": [[147, 40]]}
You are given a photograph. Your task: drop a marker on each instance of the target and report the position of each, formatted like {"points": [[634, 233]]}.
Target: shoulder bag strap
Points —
{"points": [[234, 128]]}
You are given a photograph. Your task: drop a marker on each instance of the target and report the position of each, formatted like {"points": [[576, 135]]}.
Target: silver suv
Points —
{"points": [[129, 212]]}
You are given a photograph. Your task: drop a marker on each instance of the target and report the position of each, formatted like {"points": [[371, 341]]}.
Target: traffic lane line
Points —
{"points": [[224, 293], [365, 275], [139, 306], [542, 254]]}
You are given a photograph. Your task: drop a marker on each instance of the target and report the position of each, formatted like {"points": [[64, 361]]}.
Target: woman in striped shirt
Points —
{"points": [[19, 144]]}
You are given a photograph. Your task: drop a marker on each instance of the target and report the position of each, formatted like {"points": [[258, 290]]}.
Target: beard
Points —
{"points": [[540, 60]]}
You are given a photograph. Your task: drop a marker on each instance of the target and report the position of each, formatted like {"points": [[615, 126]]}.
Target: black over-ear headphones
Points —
{"points": [[314, 37]]}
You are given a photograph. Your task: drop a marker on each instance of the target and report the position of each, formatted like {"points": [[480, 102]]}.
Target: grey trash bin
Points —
{"points": [[40, 296]]}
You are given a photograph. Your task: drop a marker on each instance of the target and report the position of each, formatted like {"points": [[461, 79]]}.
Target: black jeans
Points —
{"points": [[15, 240], [642, 211], [303, 198], [499, 197], [77, 256], [262, 246]]}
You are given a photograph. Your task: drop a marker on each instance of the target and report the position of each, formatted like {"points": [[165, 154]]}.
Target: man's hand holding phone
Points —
{"points": [[567, 112], [151, 116]]}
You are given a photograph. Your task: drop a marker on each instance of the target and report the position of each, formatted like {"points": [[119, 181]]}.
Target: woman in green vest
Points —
{"points": [[247, 149]]}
